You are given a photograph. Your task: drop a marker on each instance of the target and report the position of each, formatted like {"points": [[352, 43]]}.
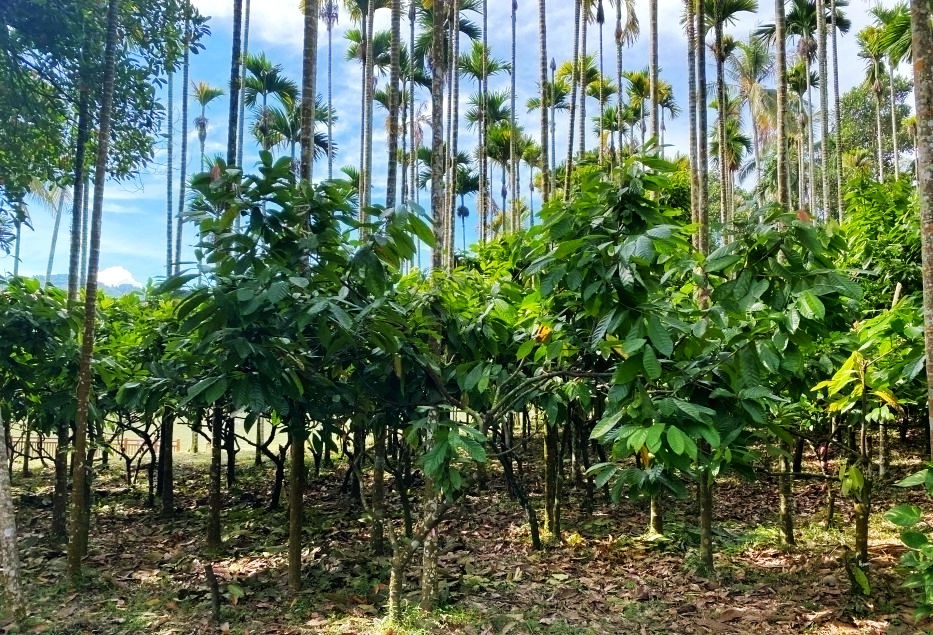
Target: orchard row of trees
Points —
{"points": [[620, 320]]}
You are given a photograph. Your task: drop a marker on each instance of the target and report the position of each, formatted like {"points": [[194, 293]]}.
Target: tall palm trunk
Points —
{"points": [[437, 133], [55, 227], [897, 168], [601, 20], [368, 92], [692, 110], [241, 136], [619, 109], [574, 74], [392, 176], [780, 28], [454, 78], [581, 77], [513, 176], [81, 508], [542, 81], [185, 69], [169, 184], [413, 164], [483, 159], [9, 555], [235, 65], [824, 104], [653, 69], [330, 100], [922, 43], [837, 110], [721, 127], [85, 228], [878, 133], [308, 88], [364, 52], [811, 179], [702, 139]]}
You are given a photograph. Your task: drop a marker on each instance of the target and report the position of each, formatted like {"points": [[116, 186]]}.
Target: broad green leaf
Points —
{"points": [[653, 438], [768, 356], [525, 348], [904, 515], [810, 306], [606, 425], [914, 539], [676, 439], [650, 363], [659, 336], [917, 478]]}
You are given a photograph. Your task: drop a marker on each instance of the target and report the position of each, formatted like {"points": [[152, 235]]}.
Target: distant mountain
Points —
{"points": [[60, 280]]}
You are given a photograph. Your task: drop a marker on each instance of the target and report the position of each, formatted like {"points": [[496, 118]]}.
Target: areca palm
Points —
{"points": [[264, 80], [871, 48], [204, 94], [892, 30], [719, 14], [639, 90], [750, 65], [330, 13]]}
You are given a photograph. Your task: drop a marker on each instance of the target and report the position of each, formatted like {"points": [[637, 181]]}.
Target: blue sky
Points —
{"points": [[133, 239]]}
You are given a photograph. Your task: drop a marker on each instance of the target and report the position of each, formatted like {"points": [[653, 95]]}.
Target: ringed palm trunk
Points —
{"points": [[330, 101], [483, 161], [897, 168], [169, 208], [574, 80], [703, 150], [780, 28], [437, 133], [721, 130], [811, 178], [513, 178], [393, 102], [55, 227], [308, 77], [235, 63], [837, 112], [692, 110], [80, 511], [584, 21], [922, 42], [824, 104], [653, 70], [879, 135], [186, 67], [619, 109], [454, 116], [241, 136], [542, 81]]}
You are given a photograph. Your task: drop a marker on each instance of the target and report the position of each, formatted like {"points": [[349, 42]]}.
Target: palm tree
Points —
{"points": [[330, 13], [241, 140], [838, 23], [666, 103], [204, 94], [235, 61], [780, 37], [639, 91], [574, 83], [720, 13], [438, 75], [263, 80], [182, 181], [625, 35], [653, 68], [871, 48], [750, 65], [513, 173], [891, 22], [737, 146], [394, 98]]}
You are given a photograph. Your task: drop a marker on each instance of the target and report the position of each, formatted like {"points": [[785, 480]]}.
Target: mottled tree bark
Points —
{"points": [[9, 557]]}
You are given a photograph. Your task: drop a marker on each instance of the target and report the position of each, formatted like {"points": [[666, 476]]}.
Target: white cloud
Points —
{"points": [[116, 276]]}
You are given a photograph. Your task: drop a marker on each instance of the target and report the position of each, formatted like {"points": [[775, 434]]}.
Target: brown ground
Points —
{"points": [[146, 575]]}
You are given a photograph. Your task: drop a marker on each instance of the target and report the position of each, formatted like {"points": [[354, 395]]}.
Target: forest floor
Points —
{"points": [[145, 575]]}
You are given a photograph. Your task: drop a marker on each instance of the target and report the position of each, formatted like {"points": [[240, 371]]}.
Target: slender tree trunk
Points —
{"points": [[235, 61], [241, 135], [721, 129], [9, 556], [330, 101], [781, 78], [703, 150], [653, 69], [55, 227], [454, 105], [552, 478], [85, 230], [584, 22], [574, 82], [165, 459], [878, 132], [81, 507], [182, 179], [296, 489], [214, 543], [705, 496], [837, 110], [308, 88], [692, 115], [922, 43], [169, 183], [437, 132], [483, 160], [897, 168], [824, 105], [513, 167], [379, 464], [786, 500], [546, 182], [811, 161], [394, 100], [368, 92]]}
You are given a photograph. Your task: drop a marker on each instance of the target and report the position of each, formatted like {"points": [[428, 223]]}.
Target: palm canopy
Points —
{"points": [[477, 64], [381, 48], [801, 21], [726, 12], [895, 36], [496, 108], [556, 93], [737, 145], [265, 79], [204, 93]]}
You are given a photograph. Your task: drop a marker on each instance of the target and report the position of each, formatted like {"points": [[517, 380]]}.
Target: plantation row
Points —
{"points": [[653, 369]]}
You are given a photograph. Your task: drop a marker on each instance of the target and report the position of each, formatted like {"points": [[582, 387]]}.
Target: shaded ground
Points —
{"points": [[146, 574]]}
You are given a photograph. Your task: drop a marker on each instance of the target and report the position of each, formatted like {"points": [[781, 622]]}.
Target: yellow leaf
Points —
{"points": [[888, 397]]}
